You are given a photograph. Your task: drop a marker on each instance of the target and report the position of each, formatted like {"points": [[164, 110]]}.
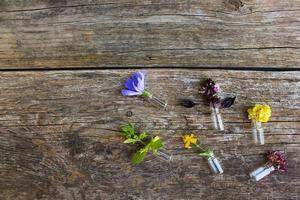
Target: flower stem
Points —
{"points": [[142, 142], [199, 147]]}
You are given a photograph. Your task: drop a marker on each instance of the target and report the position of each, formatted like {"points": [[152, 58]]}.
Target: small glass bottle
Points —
{"points": [[157, 101], [262, 172], [163, 154], [216, 117], [215, 165], [258, 133], [154, 99]]}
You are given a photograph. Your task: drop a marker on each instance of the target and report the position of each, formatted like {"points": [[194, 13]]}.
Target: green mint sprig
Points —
{"points": [[132, 137]]}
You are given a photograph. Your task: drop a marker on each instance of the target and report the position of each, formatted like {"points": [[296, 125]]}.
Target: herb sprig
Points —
{"points": [[190, 141], [211, 90], [149, 143]]}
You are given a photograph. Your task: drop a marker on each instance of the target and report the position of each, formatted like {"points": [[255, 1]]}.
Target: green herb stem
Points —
{"points": [[147, 94]]}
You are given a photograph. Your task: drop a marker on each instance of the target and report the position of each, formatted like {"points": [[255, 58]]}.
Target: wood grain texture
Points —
{"points": [[139, 33], [59, 140]]}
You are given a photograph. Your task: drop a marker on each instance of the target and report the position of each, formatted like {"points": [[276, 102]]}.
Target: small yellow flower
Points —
{"points": [[260, 113], [188, 140]]}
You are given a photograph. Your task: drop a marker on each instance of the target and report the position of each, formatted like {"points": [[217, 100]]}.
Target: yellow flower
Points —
{"points": [[188, 140], [260, 113]]}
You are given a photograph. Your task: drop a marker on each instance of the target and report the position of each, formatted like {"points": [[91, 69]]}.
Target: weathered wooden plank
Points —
{"points": [[210, 33], [58, 136]]}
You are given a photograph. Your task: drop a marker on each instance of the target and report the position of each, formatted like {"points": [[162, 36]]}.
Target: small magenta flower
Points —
{"points": [[216, 88], [135, 86]]}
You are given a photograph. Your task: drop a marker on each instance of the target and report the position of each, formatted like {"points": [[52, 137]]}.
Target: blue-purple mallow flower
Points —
{"points": [[135, 86]]}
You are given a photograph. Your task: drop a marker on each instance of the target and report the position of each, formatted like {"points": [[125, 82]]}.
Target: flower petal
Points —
{"points": [[138, 76], [141, 85], [187, 144], [130, 93], [129, 84], [136, 82], [139, 80], [193, 140]]}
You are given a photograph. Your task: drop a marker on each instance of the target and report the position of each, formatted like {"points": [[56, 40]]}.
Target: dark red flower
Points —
{"points": [[277, 159]]}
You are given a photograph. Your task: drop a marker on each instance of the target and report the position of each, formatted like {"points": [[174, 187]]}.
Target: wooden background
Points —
{"points": [[62, 66]]}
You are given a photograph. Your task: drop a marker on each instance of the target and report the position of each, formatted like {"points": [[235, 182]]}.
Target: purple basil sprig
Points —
{"points": [[277, 159], [211, 90]]}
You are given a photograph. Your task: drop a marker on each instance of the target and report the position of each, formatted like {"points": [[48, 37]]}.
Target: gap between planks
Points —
{"points": [[266, 69]]}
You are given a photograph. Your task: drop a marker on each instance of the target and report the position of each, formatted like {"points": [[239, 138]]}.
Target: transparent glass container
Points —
{"points": [[262, 172], [163, 154], [258, 133], [216, 118], [153, 99], [215, 165]]}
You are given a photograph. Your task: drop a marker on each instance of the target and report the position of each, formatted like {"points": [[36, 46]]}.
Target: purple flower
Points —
{"points": [[210, 88], [135, 85], [216, 88]]}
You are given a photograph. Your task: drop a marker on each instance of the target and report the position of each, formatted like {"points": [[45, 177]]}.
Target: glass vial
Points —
{"points": [[215, 165], [258, 133], [261, 172], [216, 118], [163, 154], [157, 101]]}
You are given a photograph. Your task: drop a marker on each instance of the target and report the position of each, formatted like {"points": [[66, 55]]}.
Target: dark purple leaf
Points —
{"points": [[228, 102], [187, 103]]}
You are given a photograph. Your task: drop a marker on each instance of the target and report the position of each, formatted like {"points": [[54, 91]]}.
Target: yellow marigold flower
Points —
{"points": [[260, 113], [188, 140]]}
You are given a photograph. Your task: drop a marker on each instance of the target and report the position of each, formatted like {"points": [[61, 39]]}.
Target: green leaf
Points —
{"points": [[139, 156], [128, 130], [143, 135], [130, 140], [155, 144]]}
